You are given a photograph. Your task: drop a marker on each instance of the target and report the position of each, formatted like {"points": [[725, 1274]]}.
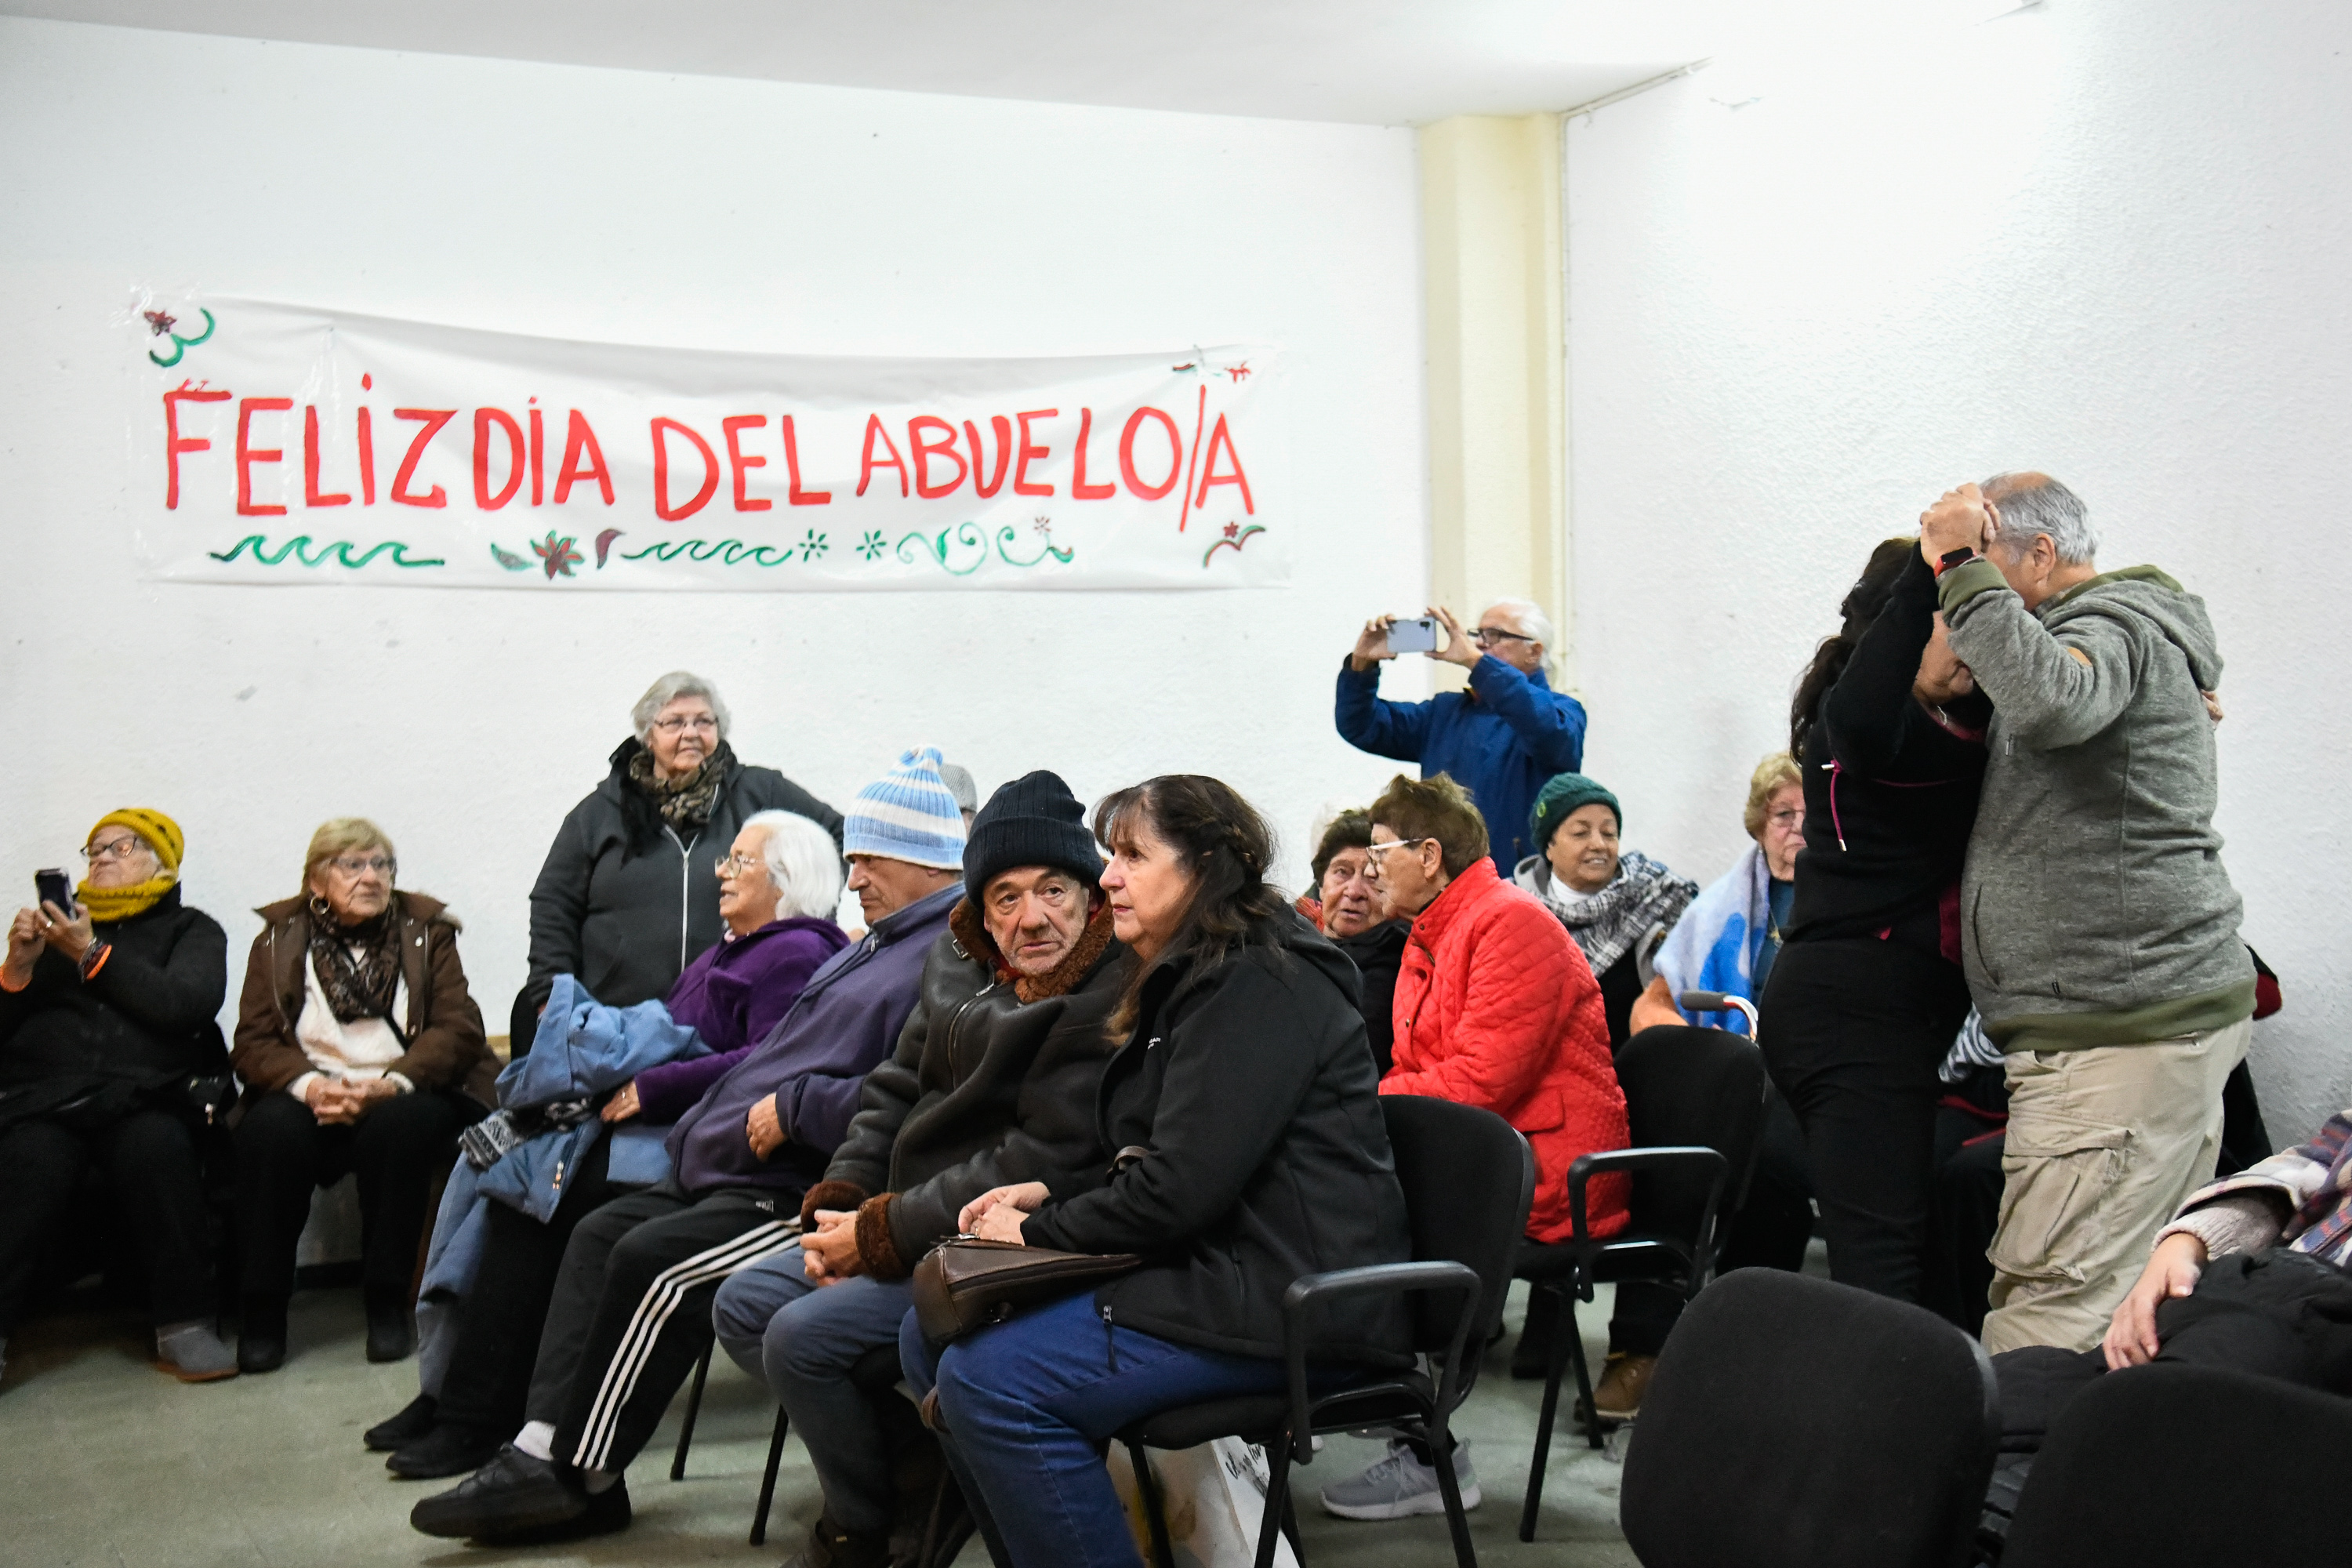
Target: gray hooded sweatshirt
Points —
{"points": [[2094, 909]]}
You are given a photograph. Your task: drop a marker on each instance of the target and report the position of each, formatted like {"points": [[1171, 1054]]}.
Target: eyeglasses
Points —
{"points": [[1377, 851], [672, 726], [1787, 821], [113, 849], [355, 864], [735, 865], [1485, 635]]}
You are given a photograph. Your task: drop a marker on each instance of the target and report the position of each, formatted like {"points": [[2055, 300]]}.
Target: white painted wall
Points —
{"points": [[2104, 238], [634, 207]]}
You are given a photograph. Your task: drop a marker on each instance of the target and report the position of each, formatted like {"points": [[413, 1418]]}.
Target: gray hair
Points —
{"points": [[2035, 504], [803, 863], [677, 683], [1533, 622]]}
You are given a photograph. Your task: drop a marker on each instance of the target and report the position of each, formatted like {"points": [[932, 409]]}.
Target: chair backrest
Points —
{"points": [[1690, 1086], [2173, 1465], [1469, 1179], [1793, 1423]]}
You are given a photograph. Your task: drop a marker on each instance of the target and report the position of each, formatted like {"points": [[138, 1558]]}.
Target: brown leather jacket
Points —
{"points": [[443, 1030]]}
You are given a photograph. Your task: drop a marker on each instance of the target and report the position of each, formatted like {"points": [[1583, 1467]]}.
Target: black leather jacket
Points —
{"points": [[993, 1082]]}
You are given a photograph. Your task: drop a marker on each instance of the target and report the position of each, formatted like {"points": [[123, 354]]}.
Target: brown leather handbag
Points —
{"points": [[968, 1284]]}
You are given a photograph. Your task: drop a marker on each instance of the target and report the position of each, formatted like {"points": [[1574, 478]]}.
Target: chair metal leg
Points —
{"points": [[693, 1408], [1583, 1372], [1277, 1500], [1565, 1334], [1290, 1523], [768, 1477], [1163, 1555], [1449, 1487]]}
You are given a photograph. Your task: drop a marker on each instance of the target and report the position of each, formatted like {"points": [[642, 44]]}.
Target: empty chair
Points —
{"points": [[1793, 1423], [2166, 1466], [1694, 1106]]}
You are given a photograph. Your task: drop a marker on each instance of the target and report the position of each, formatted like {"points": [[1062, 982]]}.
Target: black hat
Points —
{"points": [[1032, 821]]}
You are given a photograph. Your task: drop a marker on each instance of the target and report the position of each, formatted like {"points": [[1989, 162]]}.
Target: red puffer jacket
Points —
{"points": [[1496, 1008]]}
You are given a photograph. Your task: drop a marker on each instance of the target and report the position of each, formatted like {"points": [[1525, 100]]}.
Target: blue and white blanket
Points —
{"points": [[1714, 946]]}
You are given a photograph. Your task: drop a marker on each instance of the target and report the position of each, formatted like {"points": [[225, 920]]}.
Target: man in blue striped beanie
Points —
{"points": [[903, 835]]}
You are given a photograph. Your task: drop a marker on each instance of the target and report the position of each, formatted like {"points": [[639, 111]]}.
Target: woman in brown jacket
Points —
{"points": [[361, 1051]]}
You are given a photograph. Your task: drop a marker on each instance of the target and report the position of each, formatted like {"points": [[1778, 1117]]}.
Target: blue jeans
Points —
{"points": [[801, 1340], [1028, 1406]]}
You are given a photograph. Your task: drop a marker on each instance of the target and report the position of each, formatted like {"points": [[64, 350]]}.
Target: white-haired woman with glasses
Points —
{"points": [[361, 1051], [627, 896], [778, 884]]}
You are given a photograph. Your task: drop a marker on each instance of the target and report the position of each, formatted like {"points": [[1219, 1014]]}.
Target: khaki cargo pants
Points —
{"points": [[2104, 1146]]}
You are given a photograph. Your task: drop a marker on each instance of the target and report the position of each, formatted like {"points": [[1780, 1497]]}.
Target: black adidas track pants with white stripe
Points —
{"points": [[631, 1313]]}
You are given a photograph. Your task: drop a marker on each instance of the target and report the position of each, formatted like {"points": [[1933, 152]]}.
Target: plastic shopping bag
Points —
{"points": [[1214, 1495]]}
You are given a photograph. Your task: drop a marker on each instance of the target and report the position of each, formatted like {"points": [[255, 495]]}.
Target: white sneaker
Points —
{"points": [[1401, 1485]]}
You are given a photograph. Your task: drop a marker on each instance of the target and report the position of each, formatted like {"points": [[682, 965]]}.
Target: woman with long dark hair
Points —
{"points": [[1243, 1075], [1867, 992]]}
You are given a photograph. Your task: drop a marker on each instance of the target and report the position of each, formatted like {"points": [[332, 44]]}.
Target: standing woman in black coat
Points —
{"points": [[629, 894], [1867, 992], [108, 1046], [1243, 1076]]}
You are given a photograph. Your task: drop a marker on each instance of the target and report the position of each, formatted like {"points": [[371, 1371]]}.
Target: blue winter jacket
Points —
{"points": [[1501, 740]]}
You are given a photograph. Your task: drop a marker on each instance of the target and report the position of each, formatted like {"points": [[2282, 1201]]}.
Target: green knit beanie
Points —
{"points": [[1562, 795]]}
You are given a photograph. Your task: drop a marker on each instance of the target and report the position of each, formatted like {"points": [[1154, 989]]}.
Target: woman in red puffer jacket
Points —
{"points": [[1495, 1005]]}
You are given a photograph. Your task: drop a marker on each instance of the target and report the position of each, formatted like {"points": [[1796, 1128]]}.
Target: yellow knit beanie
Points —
{"points": [[162, 835]]}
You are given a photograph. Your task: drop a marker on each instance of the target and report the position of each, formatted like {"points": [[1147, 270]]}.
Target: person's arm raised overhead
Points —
{"points": [[1870, 712], [1366, 720]]}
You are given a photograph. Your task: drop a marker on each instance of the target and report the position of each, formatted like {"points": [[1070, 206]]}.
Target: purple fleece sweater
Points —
{"points": [[814, 1062], [731, 995]]}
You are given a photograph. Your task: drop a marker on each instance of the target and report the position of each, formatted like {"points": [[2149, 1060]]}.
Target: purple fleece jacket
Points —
{"points": [[847, 1021], [731, 995]]}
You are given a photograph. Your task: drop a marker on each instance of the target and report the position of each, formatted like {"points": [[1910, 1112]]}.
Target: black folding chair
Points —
{"points": [[2165, 1465], [1793, 1423], [1695, 1100], [1468, 1180]]}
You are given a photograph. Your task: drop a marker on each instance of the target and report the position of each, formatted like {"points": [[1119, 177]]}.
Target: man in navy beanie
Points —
{"points": [[993, 1082]]}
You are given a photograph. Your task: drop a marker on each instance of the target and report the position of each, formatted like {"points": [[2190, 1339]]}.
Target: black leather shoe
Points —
{"points": [[261, 1335], [608, 1514], [446, 1450], [390, 1333], [415, 1420], [830, 1546], [512, 1494]]}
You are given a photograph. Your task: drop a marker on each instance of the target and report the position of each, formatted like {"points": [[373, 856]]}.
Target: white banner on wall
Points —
{"points": [[277, 443]]}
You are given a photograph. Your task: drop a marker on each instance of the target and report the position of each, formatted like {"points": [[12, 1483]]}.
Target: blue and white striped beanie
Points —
{"points": [[909, 814]]}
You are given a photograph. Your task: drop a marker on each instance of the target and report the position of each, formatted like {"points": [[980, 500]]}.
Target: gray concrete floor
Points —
{"points": [[105, 1461]]}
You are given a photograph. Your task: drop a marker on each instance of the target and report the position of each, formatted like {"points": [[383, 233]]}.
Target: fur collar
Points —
{"points": [[1064, 977]]}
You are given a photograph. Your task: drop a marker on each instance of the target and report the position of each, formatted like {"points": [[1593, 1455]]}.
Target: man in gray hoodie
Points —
{"points": [[2098, 928]]}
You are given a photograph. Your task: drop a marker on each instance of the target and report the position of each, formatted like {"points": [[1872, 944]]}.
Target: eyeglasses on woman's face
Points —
{"points": [[736, 865], [100, 851], [361, 865], [680, 723]]}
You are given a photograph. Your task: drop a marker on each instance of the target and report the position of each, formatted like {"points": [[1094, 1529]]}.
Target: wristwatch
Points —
{"points": [[1952, 558]]}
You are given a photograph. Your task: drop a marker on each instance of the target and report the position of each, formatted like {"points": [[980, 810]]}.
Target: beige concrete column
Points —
{"points": [[1493, 248]]}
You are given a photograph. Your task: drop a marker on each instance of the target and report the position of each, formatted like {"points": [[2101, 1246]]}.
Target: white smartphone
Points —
{"points": [[1418, 634]]}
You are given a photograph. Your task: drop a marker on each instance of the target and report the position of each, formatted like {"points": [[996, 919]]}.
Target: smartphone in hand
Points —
{"points": [[53, 887], [1418, 634]]}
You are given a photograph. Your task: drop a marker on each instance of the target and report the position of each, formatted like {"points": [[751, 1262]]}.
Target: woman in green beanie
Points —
{"points": [[1616, 905]]}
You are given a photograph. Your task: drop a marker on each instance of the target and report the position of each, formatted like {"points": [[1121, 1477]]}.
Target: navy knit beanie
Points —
{"points": [[1561, 794], [1032, 821]]}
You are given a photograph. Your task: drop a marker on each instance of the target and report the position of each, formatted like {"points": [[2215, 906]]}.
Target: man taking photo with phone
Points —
{"points": [[1500, 739]]}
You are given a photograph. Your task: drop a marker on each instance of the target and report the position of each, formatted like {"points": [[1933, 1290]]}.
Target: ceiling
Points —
{"points": [[1381, 62]]}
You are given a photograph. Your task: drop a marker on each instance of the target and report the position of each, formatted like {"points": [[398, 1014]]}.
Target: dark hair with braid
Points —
{"points": [[1862, 607], [1226, 848]]}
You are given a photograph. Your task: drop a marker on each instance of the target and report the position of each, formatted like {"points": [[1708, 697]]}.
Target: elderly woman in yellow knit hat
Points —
{"points": [[109, 1057], [361, 1051]]}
